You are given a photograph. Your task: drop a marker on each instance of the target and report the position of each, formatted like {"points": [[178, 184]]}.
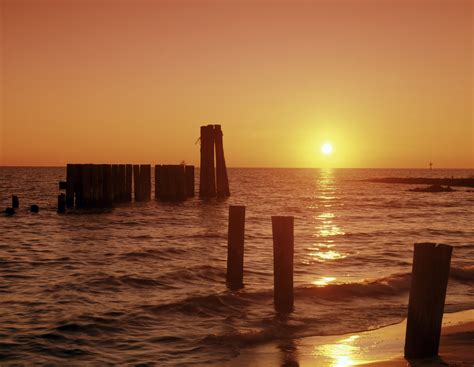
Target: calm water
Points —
{"points": [[145, 283]]}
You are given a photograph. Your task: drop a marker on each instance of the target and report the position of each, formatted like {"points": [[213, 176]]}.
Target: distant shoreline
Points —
{"points": [[463, 182]]}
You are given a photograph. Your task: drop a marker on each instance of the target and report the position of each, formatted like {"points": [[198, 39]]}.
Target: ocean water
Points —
{"points": [[144, 284]]}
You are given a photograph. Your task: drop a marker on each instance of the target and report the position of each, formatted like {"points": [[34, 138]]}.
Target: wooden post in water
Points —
{"points": [[79, 198], [128, 182], [145, 181], [189, 172], [61, 203], [122, 184], [158, 179], [136, 182], [108, 186], [15, 202], [180, 182], [95, 189], [222, 180], [283, 243], [86, 186], [71, 177], [429, 281], [235, 247], [207, 186]]}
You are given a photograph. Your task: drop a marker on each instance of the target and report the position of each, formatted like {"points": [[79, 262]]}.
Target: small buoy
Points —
{"points": [[34, 208], [10, 211]]}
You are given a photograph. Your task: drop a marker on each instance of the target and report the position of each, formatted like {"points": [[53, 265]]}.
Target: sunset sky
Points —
{"points": [[387, 82]]}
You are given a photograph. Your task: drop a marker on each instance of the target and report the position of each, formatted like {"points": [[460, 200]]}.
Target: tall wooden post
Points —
{"points": [[70, 183], [283, 243], [115, 182], [180, 182], [145, 181], [429, 281], [86, 186], [95, 196], [128, 182], [222, 180], [79, 198], [207, 186], [158, 179], [108, 186], [235, 247], [122, 184], [189, 172], [61, 203], [136, 183]]}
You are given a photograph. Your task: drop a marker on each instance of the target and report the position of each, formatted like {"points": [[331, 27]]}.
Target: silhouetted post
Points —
{"points": [[180, 182], [189, 172], [429, 281], [283, 243], [95, 187], [222, 180], [70, 182], [122, 184], [145, 181], [79, 198], [136, 182], [61, 203], [15, 202], [86, 185], [235, 247], [207, 186], [101, 183], [9, 211], [158, 179], [34, 208], [108, 186], [128, 182]]}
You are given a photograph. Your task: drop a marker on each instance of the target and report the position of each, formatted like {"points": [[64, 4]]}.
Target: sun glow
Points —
{"points": [[326, 148]]}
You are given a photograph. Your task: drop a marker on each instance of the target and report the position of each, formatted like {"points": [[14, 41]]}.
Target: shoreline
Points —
{"points": [[374, 348]]}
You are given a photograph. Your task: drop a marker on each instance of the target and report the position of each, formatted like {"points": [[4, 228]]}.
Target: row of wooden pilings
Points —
{"points": [[103, 185], [429, 280]]}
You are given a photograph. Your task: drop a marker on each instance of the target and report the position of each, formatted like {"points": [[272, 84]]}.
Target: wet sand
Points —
{"points": [[375, 348]]}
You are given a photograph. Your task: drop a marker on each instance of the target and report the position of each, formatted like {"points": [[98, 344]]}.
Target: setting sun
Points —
{"points": [[326, 149]]}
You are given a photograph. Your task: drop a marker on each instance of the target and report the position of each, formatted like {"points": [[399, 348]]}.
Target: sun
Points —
{"points": [[326, 148]]}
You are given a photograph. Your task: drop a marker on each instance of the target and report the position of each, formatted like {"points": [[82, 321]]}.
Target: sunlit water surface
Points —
{"points": [[145, 283]]}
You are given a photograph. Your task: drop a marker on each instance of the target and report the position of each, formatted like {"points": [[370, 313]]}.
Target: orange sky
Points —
{"points": [[387, 82]]}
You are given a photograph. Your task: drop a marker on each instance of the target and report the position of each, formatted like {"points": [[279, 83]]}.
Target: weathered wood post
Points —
{"points": [[79, 198], [235, 247], [429, 281], [108, 186], [128, 182], [86, 186], [95, 195], [136, 182], [283, 243], [15, 202], [158, 179], [122, 184], [145, 181], [189, 172], [70, 183], [115, 183], [222, 181], [61, 203], [180, 182], [207, 185]]}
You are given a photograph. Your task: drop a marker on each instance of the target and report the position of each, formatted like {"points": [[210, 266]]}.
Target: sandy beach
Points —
{"points": [[380, 347]]}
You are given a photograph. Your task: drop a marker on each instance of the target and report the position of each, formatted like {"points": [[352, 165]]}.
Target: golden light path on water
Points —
{"points": [[325, 248], [342, 353]]}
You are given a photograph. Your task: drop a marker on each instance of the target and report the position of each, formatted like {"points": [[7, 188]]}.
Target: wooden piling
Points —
{"points": [[283, 244], [207, 180], [121, 183], [95, 186], [180, 182], [70, 182], [34, 208], [128, 182], [157, 182], [429, 281], [78, 197], [136, 182], [61, 203], [15, 202], [145, 181], [222, 181], [189, 173], [107, 187], [235, 247], [86, 186]]}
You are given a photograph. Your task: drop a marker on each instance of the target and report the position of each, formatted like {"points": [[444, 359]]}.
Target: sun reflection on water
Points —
{"points": [[342, 353], [323, 281]]}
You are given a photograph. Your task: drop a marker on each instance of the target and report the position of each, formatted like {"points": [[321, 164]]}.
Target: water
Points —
{"points": [[145, 282]]}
